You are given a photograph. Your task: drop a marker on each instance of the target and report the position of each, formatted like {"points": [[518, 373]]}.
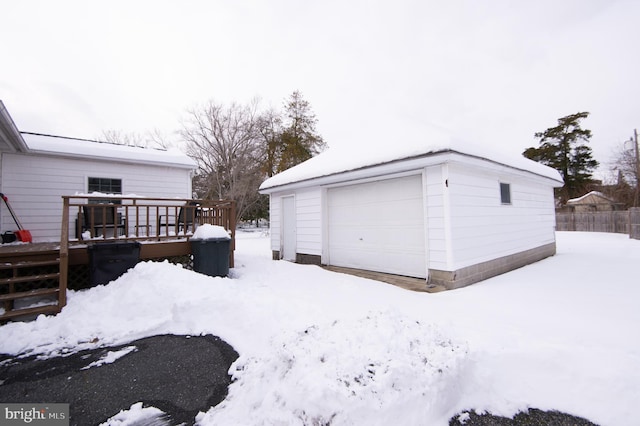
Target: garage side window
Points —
{"points": [[505, 193]]}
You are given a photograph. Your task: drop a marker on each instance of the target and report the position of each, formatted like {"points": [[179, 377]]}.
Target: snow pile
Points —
{"points": [[137, 415], [141, 301], [352, 371], [318, 346], [207, 231], [111, 357]]}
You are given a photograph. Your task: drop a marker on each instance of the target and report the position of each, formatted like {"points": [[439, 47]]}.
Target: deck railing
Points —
{"points": [[88, 219]]}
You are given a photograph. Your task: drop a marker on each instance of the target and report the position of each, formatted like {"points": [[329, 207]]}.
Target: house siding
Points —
{"points": [[482, 228], [436, 221], [308, 208], [36, 183], [275, 230], [309, 220]]}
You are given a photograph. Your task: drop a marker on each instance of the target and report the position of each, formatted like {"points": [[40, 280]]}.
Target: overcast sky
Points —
{"points": [[491, 71]]}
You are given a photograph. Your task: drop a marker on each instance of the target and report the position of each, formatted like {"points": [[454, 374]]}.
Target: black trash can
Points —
{"points": [[107, 261], [211, 256]]}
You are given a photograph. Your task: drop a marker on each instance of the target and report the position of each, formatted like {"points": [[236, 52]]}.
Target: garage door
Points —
{"points": [[378, 226]]}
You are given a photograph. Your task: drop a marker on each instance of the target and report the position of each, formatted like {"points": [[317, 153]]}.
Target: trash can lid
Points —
{"points": [[203, 240], [210, 232]]}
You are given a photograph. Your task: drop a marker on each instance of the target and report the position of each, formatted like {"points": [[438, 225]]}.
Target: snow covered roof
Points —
{"points": [[591, 194], [84, 148], [10, 139], [421, 144]]}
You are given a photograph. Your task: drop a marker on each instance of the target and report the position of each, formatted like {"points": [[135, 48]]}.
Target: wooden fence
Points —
{"points": [[621, 222]]}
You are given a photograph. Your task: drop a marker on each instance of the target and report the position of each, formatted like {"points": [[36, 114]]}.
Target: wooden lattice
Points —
{"points": [[78, 277]]}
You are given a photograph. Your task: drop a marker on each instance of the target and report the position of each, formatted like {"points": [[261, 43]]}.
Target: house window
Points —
{"points": [[505, 193], [105, 186]]}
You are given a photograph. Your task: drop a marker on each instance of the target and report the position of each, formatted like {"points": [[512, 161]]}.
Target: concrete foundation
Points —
{"points": [[462, 277], [481, 271], [308, 259]]}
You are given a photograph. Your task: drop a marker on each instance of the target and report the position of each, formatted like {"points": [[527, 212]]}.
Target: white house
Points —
{"points": [[36, 170], [437, 209]]}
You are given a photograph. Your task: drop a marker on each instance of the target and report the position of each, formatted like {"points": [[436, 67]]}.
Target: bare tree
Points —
{"points": [[152, 139], [159, 139], [119, 137], [237, 146], [624, 161], [224, 141], [627, 166]]}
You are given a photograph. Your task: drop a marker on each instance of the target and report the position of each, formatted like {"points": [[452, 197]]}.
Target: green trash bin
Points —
{"points": [[107, 261], [211, 256]]}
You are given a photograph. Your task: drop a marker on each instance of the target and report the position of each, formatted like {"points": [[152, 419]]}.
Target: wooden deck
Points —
{"points": [[407, 283], [78, 252], [163, 228]]}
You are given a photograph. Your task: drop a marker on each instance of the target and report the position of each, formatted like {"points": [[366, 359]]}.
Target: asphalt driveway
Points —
{"points": [[180, 375]]}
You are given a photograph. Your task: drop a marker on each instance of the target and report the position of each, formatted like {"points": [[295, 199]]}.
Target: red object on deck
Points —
{"points": [[22, 234]]}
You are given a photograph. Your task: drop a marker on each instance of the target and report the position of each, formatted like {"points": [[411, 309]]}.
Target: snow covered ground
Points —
{"points": [[561, 334]]}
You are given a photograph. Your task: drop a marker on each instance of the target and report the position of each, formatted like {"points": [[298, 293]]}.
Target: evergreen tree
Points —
{"points": [[564, 147], [270, 130], [299, 140]]}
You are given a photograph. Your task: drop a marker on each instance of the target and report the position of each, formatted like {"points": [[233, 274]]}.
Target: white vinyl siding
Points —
{"points": [[483, 228], [308, 220], [35, 185], [289, 228], [437, 222], [275, 218], [308, 213]]}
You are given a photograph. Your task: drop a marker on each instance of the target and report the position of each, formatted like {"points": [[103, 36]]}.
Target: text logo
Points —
{"points": [[34, 414]]}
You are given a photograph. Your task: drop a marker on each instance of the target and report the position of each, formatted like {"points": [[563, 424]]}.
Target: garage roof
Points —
{"points": [[348, 158]]}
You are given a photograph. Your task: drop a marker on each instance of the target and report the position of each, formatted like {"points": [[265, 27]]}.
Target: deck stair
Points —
{"points": [[29, 279]]}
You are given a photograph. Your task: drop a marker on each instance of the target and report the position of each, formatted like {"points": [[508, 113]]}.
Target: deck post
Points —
{"points": [[64, 254], [232, 228]]}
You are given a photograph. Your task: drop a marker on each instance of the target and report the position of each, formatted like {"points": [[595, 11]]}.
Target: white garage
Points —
{"points": [[378, 226], [450, 213]]}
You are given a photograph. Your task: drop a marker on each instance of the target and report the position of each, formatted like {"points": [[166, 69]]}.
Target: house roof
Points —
{"points": [[420, 145], [84, 148], [10, 139]]}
